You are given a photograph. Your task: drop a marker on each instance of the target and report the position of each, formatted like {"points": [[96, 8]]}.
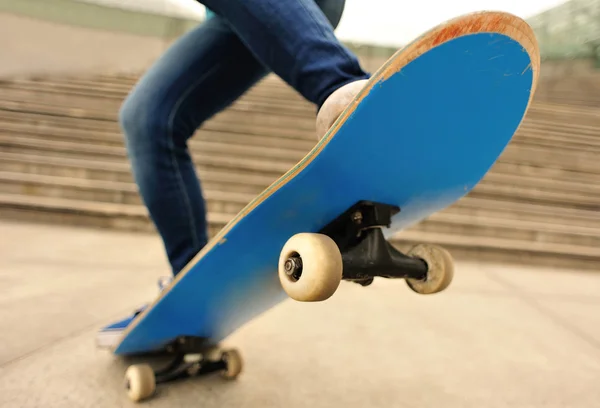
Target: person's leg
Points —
{"points": [[201, 74], [198, 76], [294, 39]]}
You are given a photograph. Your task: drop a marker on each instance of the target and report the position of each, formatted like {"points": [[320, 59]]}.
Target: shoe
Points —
{"points": [[110, 335], [335, 104]]}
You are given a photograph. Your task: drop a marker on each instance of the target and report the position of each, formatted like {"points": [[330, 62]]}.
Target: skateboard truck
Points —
{"points": [[366, 253], [192, 357], [353, 247]]}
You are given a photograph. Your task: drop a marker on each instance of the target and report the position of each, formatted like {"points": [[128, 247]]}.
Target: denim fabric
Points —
{"points": [[202, 73]]}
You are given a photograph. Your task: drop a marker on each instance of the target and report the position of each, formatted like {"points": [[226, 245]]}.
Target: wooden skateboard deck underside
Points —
{"points": [[424, 131]]}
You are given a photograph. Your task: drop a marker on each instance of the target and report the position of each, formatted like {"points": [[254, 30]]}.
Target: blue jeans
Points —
{"points": [[201, 74]]}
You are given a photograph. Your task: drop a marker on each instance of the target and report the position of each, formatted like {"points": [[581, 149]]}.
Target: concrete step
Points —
{"points": [[224, 202], [542, 172], [257, 100], [255, 135], [570, 98], [212, 154], [580, 200], [527, 160], [543, 133], [95, 167], [53, 210], [583, 191], [48, 165], [52, 131], [87, 106], [584, 95], [580, 88], [561, 110], [518, 230], [53, 158], [273, 116], [569, 122], [249, 112], [117, 87], [261, 98], [581, 166], [538, 134], [526, 135], [508, 246], [207, 147], [72, 120], [270, 83], [506, 209], [526, 188], [481, 233], [517, 154], [133, 218], [584, 129], [571, 88], [231, 156], [125, 80], [231, 202], [580, 161], [550, 134], [215, 179]]}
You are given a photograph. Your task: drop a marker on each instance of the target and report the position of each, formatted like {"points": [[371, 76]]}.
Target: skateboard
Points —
{"points": [[423, 131]]}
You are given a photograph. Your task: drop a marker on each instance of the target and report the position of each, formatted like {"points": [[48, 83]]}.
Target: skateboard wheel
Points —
{"points": [[140, 382], [234, 363], [440, 269], [310, 267]]}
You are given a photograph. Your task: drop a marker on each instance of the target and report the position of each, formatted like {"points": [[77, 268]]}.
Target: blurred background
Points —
{"points": [[68, 64]]}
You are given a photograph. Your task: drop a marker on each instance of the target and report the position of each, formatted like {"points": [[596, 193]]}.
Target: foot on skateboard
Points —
{"points": [[109, 335], [335, 104]]}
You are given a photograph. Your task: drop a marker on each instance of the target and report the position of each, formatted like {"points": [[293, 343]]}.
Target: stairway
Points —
{"points": [[62, 160]]}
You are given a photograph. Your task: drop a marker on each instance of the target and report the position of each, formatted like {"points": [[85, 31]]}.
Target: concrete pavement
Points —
{"points": [[499, 337]]}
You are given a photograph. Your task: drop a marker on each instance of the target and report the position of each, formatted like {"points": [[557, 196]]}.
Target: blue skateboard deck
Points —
{"points": [[421, 134]]}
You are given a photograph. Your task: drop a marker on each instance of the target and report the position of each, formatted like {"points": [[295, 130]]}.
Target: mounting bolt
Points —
{"points": [[357, 217], [293, 267]]}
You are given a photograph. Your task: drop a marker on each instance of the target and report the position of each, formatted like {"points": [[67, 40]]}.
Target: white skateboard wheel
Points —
{"points": [[234, 362], [440, 269], [310, 267], [140, 382]]}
